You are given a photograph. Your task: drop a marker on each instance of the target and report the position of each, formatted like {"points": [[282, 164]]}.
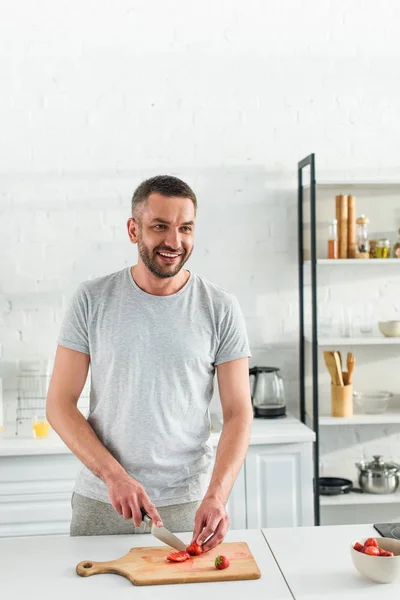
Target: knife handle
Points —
{"points": [[146, 518]]}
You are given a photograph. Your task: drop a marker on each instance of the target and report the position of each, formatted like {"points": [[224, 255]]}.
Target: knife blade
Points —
{"points": [[162, 534]]}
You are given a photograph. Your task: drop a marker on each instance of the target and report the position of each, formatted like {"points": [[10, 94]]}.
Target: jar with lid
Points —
{"points": [[396, 247], [382, 248], [333, 249], [362, 237]]}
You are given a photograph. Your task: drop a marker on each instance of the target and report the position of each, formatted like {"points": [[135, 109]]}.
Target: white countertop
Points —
{"points": [[309, 563], [42, 568], [317, 565], [264, 431]]}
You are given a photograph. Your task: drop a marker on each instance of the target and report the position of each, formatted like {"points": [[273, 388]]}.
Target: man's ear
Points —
{"points": [[133, 230]]}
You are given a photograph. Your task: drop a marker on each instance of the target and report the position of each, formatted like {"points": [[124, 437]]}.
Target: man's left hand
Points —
{"points": [[211, 519]]}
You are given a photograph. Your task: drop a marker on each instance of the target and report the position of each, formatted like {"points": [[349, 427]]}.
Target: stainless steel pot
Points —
{"points": [[378, 477]]}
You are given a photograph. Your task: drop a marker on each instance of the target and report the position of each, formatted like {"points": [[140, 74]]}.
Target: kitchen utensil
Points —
{"points": [[389, 530], [148, 566], [338, 368], [351, 363], [334, 486], [341, 400], [378, 476], [373, 402], [331, 366], [389, 328], [162, 534], [342, 217], [382, 569], [351, 227], [267, 392]]}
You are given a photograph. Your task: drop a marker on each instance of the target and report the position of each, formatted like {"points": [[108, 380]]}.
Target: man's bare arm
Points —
{"points": [[234, 388], [69, 375]]}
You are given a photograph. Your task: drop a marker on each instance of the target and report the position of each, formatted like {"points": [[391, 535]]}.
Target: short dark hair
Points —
{"points": [[167, 185]]}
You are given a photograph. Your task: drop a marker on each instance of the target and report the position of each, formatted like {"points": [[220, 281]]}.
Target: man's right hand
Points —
{"points": [[128, 496]]}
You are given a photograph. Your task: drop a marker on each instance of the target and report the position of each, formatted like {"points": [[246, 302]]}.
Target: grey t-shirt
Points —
{"points": [[152, 364]]}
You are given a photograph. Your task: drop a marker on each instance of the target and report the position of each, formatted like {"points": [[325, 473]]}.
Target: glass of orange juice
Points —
{"points": [[40, 425]]}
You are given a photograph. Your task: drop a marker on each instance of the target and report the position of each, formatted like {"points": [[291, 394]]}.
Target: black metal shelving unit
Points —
{"points": [[309, 163]]}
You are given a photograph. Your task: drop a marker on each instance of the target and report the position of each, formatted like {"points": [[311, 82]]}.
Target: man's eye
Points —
{"points": [[186, 228], [159, 227]]}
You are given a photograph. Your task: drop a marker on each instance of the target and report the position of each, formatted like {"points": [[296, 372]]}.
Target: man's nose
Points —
{"points": [[173, 239]]}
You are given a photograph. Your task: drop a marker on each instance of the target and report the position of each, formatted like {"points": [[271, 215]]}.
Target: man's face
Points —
{"points": [[164, 233]]}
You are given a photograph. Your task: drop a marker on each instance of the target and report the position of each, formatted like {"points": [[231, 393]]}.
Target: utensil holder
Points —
{"points": [[342, 400]]}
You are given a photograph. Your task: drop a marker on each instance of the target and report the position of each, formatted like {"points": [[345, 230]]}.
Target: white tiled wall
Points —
{"points": [[228, 95]]}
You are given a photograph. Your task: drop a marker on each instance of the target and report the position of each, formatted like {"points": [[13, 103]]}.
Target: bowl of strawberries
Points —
{"points": [[377, 559]]}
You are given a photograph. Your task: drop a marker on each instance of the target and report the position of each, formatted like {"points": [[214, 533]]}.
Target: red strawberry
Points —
{"points": [[371, 542], [178, 556], [357, 546], [194, 549], [221, 562], [385, 552], [371, 550]]}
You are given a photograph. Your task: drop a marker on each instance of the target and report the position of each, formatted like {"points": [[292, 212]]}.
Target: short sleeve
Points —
{"points": [[74, 328], [233, 341]]}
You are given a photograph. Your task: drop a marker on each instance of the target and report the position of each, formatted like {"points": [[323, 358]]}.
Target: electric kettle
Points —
{"points": [[267, 393]]}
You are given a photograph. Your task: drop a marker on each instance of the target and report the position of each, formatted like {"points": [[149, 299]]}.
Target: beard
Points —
{"points": [[152, 263]]}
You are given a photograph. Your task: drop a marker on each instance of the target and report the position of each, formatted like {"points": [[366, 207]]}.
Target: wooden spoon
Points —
{"points": [[338, 368], [331, 365], [351, 362]]}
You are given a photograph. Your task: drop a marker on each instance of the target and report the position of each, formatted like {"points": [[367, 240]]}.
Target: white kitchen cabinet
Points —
{"points": [[279, 485], [35, 494], [273, 488]]}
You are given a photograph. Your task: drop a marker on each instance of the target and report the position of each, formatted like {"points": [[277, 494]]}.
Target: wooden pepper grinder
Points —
{"points": [[351, 227], [342, 219]]}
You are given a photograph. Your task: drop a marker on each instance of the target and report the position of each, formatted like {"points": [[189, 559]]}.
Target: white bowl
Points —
{"points": [[389, 328], [382, 569]]}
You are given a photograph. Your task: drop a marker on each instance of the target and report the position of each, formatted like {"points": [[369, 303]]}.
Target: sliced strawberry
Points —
{"points": [[178, 556], [221, 562], [357, 546], [194, 549], [371, 542], [385, 553]]}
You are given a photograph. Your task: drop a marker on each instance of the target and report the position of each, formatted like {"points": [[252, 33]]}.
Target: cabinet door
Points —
{"points": [[236, 505], [279, 486]]}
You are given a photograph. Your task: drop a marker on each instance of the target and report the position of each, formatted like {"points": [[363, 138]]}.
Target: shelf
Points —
{"points": [[354, 261], [361, 183], [355, 341], [386, 418], [354, 498]]}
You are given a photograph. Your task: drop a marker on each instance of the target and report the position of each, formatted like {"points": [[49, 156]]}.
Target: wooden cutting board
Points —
{"points": [[148, 566]]}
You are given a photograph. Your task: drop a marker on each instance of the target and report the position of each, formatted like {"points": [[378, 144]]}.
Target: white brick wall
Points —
{"points": [[228, 95]]}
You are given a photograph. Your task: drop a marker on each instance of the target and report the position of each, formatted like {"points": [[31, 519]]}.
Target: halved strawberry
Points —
{"points": [[221, 562], [194, 549], [178, 556], [357, 546]]}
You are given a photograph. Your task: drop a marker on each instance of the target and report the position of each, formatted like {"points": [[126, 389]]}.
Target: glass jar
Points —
{"points": [[396, 247], [333, 240], [382, 249], [372, 246], [362, 249]]}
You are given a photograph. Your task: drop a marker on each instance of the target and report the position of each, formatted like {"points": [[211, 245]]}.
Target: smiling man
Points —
{"points": [[154, 335]]}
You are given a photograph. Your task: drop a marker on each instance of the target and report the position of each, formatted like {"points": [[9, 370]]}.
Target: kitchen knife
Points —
{"points": [[162, 534]]}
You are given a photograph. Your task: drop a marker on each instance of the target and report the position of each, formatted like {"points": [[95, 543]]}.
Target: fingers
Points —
{"points": [[198, 526], [136, 514], [219, 535], [152, 511], [126, 510], [209, 529]]}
